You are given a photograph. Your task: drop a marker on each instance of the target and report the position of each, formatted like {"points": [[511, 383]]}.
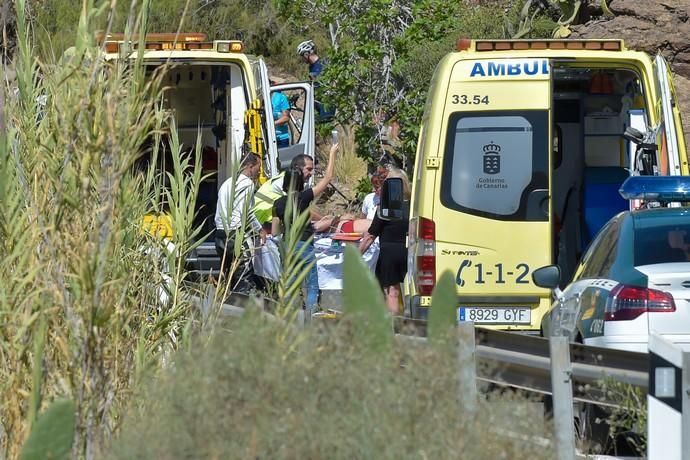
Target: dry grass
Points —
{"points": [[350, 168]]}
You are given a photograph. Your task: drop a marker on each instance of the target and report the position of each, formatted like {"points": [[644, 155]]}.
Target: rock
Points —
{"points": [[651, 26]]}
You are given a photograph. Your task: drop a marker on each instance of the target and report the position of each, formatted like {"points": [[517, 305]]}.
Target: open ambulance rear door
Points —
{"points": [[303, 134], [672, 141], [270, 146], [303, 129]]}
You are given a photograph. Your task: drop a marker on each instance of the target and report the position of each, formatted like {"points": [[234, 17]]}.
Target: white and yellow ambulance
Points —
{"points": [[521, 153], [215, 91]]}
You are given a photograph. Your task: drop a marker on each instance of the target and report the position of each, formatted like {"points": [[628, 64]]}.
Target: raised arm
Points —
{"points": [[330, 171]]}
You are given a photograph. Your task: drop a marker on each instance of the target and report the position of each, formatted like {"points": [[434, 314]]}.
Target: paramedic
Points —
{"points": [[281, 115], [235, 206], [299, 199], [392, 263], [272, 189]]}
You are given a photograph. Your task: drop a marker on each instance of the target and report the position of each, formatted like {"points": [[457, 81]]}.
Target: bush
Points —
{"points": [[258, 392]]}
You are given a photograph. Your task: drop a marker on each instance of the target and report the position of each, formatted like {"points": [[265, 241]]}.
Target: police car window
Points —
{"points": [[601, 255], [662, 244], [495, 165]]}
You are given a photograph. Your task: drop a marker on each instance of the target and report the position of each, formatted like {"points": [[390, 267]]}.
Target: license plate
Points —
{"points": [[496, 315]]}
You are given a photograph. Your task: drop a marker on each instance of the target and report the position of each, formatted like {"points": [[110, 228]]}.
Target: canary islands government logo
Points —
{"points": [[492, 158]]}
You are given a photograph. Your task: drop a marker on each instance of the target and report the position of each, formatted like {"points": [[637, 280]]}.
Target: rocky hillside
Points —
{"points": [[651, 26]]}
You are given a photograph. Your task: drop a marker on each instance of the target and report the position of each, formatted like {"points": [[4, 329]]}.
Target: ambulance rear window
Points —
{"points": [[496, 165]]}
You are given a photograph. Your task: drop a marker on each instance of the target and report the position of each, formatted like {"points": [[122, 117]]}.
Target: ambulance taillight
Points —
{"points": [[423, 245]]}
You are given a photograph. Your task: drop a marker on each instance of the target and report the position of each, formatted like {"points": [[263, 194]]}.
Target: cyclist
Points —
{"points": [[307, 51]]}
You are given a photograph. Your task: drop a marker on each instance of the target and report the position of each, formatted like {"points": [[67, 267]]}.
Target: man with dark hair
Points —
{"points": [[269, 192], [304, 163], [235, 218]]}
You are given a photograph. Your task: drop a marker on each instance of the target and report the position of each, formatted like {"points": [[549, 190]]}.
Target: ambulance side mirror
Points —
{"points": [[393, 204], [547, 277]]}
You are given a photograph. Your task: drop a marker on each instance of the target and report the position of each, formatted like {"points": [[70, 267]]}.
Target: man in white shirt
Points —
{"points": [[234, 210]]}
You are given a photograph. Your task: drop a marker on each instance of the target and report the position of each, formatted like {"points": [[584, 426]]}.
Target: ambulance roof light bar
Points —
{"points": [[154, 37], [465, 44], [159, 41]]}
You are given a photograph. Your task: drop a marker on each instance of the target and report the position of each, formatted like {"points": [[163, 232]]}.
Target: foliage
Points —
{"points": [[442, 316], [629, 419], [265, 390], [52, 435], [382, 55], [372, 328], [256, 22], [363, 188]]}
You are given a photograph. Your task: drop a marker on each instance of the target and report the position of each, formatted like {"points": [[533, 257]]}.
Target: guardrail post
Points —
{"points": [[467, 367], [685, 395], [668, 400], [562, 391]]}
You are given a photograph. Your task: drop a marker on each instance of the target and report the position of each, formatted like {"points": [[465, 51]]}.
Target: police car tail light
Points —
{"points": [[425, 254], [629, 302]]}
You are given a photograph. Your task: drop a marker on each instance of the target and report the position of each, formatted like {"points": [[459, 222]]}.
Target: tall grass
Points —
{"points": [[80, 285]]}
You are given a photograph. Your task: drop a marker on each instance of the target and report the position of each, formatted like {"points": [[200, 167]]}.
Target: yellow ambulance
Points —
{"points": [[521, 152], [219, 93]]}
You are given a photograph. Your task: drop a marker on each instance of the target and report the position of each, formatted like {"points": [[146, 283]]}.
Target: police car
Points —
{"points": [[634, 279]]}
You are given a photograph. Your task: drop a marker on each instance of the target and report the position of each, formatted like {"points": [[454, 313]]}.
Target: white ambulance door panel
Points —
{"points": [[269, 128], [670, 132], [300, 96]]}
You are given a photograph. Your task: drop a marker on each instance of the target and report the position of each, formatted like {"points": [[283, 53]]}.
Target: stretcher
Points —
{"points": [[329, 250]]}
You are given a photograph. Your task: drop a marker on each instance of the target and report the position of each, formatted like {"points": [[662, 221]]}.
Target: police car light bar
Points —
{"points": [[656, 188]]}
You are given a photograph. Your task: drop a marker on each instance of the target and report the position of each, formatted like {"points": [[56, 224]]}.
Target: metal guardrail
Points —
{"points": [[523, 361]]}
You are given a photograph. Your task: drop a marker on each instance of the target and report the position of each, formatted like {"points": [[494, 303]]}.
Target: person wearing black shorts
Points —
{"points": [[392, 262]]}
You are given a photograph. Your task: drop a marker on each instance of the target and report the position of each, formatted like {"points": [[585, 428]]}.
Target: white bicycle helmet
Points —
{"points": [[305, 47]]}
